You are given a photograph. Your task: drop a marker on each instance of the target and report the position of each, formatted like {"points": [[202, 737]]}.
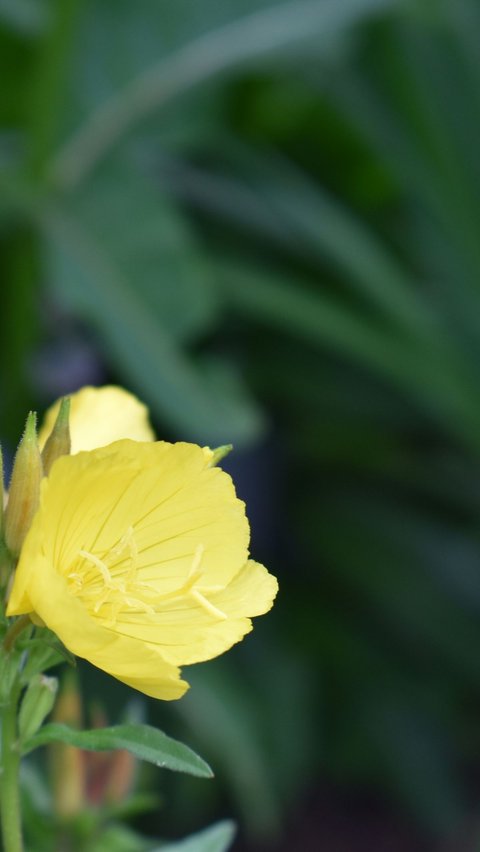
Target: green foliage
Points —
{"points": [[145, 282], [266, 215]]}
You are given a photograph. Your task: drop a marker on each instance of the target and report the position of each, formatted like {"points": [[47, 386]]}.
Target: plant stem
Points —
{"points": [[9, 782]]}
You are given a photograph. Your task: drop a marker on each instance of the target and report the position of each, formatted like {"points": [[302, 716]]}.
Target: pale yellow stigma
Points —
{"points": [[195, 593], [210, 608]]}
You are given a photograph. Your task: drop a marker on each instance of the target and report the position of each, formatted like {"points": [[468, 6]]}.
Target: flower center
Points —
{"points": [[110, 585]]}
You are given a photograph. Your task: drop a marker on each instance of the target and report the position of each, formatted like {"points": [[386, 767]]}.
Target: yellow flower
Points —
{"points": [[99, 416], [138, 560]]}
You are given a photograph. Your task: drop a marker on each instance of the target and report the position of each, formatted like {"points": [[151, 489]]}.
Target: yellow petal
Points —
{"points": [[138, 560], [100, 416], [189, 631]]}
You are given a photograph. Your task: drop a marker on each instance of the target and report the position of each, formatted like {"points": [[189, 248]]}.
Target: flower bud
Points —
{"points": [[58, 443], [24, 492], [37, 703], [67, 763]]}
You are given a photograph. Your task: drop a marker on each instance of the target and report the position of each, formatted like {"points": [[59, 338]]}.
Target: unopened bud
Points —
{"points": [[36, 704], [58, 443], [24, 491], [216, 455]]}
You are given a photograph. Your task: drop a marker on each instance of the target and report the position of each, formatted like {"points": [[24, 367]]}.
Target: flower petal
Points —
{"points": [[100, 416], [165, 493], [190, 633]]}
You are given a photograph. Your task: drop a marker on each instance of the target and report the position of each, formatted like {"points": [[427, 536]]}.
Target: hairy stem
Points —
{"points": [[9, 780]]}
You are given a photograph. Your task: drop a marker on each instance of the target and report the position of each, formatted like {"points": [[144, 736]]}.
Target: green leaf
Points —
{"points": [[156, 250], [447, 391], [279, 28], [88, 275], [217, 838], [276, 197], [143, 741]]}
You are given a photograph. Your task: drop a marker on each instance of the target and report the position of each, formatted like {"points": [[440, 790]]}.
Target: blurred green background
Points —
{"points": [[263, 218]]}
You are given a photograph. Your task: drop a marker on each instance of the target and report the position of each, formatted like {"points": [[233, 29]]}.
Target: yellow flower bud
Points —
{"points": [[58, 443], [24, 491]]}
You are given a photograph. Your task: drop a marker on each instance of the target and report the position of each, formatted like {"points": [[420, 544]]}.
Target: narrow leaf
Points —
{"points": [[199, 406], [143, 741]]}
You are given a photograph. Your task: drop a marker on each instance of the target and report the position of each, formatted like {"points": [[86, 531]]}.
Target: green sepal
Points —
{"points": [[219, 453], [24, 489], [143, 741], [58, 442]]}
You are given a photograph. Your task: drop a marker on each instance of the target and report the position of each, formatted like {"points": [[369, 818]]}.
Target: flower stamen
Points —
{"points": [[210, 608], [123, 591], [106, 575]]}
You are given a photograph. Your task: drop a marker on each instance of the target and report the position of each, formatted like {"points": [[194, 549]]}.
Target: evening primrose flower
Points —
{"points": [[137, 558]]}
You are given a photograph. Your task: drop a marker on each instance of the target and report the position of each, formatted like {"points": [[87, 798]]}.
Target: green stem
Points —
{"points": [[9, 782]]}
